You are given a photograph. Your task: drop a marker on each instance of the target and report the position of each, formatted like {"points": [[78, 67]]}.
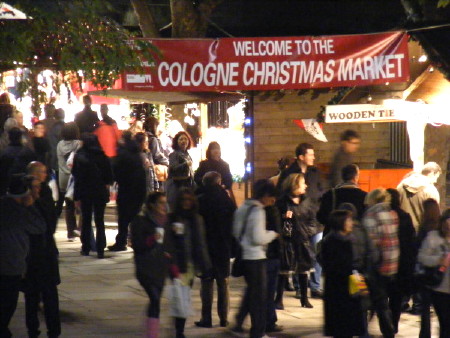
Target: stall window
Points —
{"points": [[217, 113]]}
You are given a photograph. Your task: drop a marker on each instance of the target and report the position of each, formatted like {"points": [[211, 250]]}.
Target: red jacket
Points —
{"points": [[108, 136]]}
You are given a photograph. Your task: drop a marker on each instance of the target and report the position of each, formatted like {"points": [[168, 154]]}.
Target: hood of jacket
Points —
{"points": [[415, 183], [69, 146]]}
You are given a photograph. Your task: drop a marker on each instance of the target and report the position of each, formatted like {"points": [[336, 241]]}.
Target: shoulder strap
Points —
{"points": [[244, 227]]}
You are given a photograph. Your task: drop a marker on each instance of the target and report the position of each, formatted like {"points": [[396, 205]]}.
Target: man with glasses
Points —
{"points": [[350, 142]]}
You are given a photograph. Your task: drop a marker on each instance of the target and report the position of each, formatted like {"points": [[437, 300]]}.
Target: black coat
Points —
{"points": [[273, 222], [92, 172], [129, 173], [86, 120], [303, 227], [191, 246], [346, 194], [42, 260], [408, 252], [220, 166], [217, 209], [343, 313], [150, 257]]}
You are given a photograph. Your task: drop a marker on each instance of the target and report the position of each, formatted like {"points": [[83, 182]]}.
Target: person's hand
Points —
{"points": [[77, 204], [445, 261], [289, 214]]}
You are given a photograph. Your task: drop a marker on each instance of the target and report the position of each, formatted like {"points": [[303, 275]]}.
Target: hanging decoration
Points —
{"points": [[312, 127]]}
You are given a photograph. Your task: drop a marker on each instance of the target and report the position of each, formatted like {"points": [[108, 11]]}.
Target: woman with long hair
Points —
{"points": [[215, 163], [152, 254], [297, 229], [151, 127], [181, 173], [344, 316], [186, 232], [435, 251]]}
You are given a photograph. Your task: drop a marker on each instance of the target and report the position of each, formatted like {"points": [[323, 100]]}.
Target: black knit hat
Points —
{"points": [[17, 186]]}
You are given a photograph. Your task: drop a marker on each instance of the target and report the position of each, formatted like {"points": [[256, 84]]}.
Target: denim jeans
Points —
{"points": [[314, 278]]}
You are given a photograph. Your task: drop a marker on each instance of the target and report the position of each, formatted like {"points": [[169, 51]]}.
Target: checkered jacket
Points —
{"points": [[381, 224]]}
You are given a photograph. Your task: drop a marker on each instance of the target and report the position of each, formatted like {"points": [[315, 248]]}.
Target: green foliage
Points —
{"points": [[70, 36], [443, 3]]}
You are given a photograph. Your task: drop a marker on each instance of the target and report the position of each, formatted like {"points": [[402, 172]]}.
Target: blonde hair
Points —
{"points": [[291, 183], [376, 196]]}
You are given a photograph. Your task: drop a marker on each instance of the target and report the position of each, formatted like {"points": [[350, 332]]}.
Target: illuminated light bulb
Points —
{"points": [[423, 58], [248, 139], [248, 167], [247, 121]]}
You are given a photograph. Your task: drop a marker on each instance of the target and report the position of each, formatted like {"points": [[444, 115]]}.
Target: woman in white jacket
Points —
{"points": [[435, 251], [254, 241]]}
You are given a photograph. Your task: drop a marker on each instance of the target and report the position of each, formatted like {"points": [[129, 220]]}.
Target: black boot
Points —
{"points": [[179, 327], [303, 281]]}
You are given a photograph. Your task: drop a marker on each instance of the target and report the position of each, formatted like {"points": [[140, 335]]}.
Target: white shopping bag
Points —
{"points": [[70, 188], [179, 299]]}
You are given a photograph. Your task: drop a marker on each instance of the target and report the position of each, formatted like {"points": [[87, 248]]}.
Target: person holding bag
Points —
{"points": [[344, 316], [254, 241], [435, 252], [186, 232], [153, 255], [297, 213]]}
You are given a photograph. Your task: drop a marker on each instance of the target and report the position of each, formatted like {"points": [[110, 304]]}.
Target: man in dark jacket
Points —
{"points": [[346, 192], [217, 210], [87, 118], [42, 276], [16, 225], [129, 173], [93, 176], [304, 154]]}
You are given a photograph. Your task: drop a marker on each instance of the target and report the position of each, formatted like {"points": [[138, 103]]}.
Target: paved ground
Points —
{"points": [[101, 298]]}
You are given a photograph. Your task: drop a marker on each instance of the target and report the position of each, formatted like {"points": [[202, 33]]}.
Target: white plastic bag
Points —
{"points": [[69, 161], [70, 188], [179, 299], [54, 186]]}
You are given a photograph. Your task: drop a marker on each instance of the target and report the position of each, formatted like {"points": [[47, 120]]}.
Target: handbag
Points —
{"points": [[161, 172], [179, 296], [286, 231], [430, 276], [237, 268]]}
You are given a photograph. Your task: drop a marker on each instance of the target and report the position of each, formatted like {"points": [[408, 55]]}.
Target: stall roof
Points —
{"points": [[168, 97]]}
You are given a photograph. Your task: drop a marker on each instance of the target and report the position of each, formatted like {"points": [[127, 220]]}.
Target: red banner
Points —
{"points": [[274, 63]]}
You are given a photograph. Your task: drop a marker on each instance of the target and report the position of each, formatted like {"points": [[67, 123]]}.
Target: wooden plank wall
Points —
{"points": [[276, 135]]}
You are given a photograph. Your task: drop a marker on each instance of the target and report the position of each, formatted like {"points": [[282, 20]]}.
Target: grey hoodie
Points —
{"points": [[414, 190], [63, 151], [256, 238]]}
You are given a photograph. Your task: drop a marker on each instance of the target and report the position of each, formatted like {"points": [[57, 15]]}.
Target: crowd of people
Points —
{"points": [[183, 223]]}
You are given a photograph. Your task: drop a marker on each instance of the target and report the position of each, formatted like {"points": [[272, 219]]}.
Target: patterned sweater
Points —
{"points": [[381, 224]]}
